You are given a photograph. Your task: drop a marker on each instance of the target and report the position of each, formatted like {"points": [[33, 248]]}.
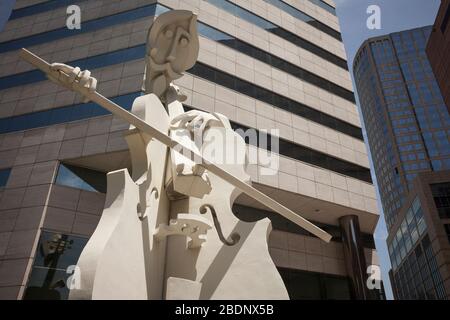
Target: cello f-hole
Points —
{"points": [[234, 237]]}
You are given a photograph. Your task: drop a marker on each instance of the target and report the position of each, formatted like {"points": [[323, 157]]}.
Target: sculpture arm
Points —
{"points": [[75, 75]]}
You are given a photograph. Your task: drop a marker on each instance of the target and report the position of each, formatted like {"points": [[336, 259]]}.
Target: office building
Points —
{"points": [[407, 126]]}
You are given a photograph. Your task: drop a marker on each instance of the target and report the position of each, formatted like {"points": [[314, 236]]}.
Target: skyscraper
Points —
{"points": [[265, 64], [408, 126]]}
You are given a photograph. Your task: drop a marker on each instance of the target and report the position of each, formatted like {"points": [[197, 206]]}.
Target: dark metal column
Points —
{"points": [[355, 260]]}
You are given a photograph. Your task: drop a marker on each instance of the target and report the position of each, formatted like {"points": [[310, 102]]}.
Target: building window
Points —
{"points": [[270, 97], [249, 214], [411, 229], [81, 178], [4, 176], [283, 33], [419, 276], [441, 196], [303, 285], [54, 254], [305, 18], [445, 21], [88, 26], [62, 115], [447, 230]]}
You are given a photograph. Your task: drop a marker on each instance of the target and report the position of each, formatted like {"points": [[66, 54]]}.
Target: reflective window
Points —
{"points": [[419, 276], [156, 9], [298, 152], [305, 18], [205, 72], [447, 231], [88, 26], [88, 110], [250, 214], [4, 176], [441, 196], [81, 178], [92, 62], [283, 33], [274, 61], [41, 7], [411, 229], [137, 52], [62, 115], [303, 285], [324, 5], [445, 20], [48, 278], [254, 91]]}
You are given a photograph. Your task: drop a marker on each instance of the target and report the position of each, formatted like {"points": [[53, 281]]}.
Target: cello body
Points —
{"points": [[124, 259], [119, 261]]}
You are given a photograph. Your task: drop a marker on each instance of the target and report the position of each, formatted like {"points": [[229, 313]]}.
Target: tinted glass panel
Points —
{"points": [[324, 5], [337, 288], [445, 20], [92, 62], [270, 27], [317, 158], [275, 61], [4, 176], [61, 115], [418, 277], [41, 7], [88, 26], [81, 178], [303, 285], [304, 17], [203, 71], [54, 254], [249, 214], [84, 111], [273, 98], [155, 10], [441, 196]]}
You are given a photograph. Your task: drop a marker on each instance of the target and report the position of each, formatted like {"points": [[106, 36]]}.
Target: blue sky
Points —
{"points": [[396, 15]]}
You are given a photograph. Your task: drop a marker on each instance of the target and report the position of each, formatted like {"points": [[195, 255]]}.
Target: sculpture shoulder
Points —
{"points": [[150, 109]]}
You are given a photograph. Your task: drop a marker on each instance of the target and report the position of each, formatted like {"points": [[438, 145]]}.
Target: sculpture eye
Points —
{"points": [[169, 34], [184, 42]]}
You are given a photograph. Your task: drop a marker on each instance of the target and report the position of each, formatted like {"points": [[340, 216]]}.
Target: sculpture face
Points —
{"points": [[172, 48]]}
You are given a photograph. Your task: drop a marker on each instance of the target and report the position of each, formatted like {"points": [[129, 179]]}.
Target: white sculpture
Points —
{"points": [[168, 231]]}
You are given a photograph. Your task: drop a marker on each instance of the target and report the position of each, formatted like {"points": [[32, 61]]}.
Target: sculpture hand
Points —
{"points": [[196, 121], [83, 77]]}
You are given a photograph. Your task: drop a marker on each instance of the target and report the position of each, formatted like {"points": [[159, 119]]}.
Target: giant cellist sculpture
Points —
{"points": [[168, 231]]}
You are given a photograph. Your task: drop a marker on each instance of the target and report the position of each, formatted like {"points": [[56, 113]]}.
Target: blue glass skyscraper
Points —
{"points": [[408, 127]]}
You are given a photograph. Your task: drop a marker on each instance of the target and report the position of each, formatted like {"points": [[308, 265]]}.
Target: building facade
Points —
{"points": [[265, 64], [408, 127], [438, 50]]}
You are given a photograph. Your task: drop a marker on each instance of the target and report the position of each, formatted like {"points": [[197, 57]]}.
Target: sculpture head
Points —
{"points": [[172, 48]]}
